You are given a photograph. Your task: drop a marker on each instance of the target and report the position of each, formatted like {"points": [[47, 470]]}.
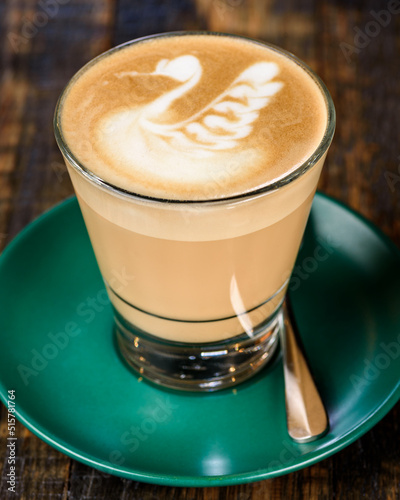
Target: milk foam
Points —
{"points": [[185, 126], [143, 138]]}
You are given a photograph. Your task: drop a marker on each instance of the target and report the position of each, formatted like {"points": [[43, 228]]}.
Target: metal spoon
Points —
{"points": [[307, 419]]}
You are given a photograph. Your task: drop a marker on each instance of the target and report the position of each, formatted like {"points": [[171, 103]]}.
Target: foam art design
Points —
{"points": [[144, 136]]}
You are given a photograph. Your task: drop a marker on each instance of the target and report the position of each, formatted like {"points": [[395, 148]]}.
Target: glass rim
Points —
{"points": [[267, 187]]}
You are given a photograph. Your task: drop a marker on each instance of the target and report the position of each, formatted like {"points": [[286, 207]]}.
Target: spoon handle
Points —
{"points": [[307, 419]]}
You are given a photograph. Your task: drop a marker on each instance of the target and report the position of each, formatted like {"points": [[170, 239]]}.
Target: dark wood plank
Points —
{"points": [[135, 18], [363, 170], [41, 51]]}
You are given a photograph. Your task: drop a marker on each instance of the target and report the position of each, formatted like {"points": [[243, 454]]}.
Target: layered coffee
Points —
{"points": [[181, 149]]}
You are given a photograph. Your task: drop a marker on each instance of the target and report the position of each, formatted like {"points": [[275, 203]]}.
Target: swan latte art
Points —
{"points": [[211, 117], [195, 159]]}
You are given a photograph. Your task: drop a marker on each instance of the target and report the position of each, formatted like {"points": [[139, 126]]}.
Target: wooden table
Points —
{"points": [[356, 52]]}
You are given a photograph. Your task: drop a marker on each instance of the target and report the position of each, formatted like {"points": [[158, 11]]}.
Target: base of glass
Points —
{"points": [[198, 367]]}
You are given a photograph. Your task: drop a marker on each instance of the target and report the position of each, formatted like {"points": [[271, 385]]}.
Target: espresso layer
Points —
{"points": [[193, 117]]}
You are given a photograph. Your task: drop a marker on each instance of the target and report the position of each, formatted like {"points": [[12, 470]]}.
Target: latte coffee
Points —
{"points": [[195, 159]]}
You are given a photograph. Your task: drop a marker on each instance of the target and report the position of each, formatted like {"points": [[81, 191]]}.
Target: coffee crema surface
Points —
{"points": [[193, 117]]}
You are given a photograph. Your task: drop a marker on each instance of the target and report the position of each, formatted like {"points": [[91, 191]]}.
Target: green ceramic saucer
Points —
{"points": [[75, 393]]}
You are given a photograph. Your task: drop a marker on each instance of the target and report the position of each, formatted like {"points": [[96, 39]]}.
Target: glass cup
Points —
{"points": [[197, 287]]}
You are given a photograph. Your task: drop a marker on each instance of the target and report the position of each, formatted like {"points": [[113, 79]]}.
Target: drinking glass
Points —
{"points": [[197, 287]]}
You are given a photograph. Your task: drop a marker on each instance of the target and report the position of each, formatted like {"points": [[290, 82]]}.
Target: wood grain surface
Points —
{"points": [[43, 43]]}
